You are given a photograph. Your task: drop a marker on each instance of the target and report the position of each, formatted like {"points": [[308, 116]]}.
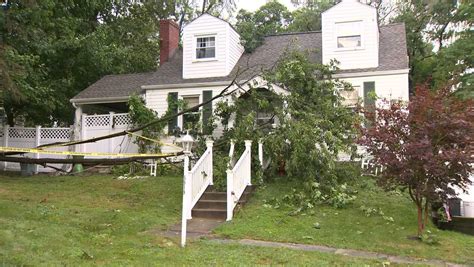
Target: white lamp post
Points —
{"points": [[187, 142]]}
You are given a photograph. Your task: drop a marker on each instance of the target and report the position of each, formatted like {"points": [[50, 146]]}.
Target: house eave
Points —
{"points": [[371, 73], [99, 100], [185, 85]]}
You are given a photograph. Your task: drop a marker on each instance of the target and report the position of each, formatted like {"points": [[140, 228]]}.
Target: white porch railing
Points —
{"points": [[231, 154], [198, 179], [238, 178], [195, 183]]}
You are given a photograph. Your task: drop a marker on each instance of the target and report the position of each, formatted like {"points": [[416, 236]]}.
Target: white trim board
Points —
{"points": [[371, 73]]}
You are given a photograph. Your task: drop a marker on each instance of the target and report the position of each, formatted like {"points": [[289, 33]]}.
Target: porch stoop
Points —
{"points": [[213, 204]]}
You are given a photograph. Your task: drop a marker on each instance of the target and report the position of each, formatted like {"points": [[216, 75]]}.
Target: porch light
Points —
{"points": [[187, 142]]}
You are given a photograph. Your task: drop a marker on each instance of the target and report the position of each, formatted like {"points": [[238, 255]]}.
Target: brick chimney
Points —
{"points": [[169, 39]]}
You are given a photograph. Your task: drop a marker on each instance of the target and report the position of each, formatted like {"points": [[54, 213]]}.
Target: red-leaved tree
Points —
{"points": [[424, 146]]}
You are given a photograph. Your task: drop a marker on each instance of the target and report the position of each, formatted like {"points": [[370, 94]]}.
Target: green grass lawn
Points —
{"points": [[349, 227], [98, 220]]}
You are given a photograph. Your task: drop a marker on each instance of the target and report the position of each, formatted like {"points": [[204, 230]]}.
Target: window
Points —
{"points": [[191, 119], [369, 102], [265, 118], [191, 101], [349, 34], [206, 47], [351, 97], [349, 41]]}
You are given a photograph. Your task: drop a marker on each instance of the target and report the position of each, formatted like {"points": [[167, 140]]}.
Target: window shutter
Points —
{"points": [[173, 108], [369, 101], [206, 112]]}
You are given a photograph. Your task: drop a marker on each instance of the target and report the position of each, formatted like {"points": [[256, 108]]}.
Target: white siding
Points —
{"points": [[235, 49], [227, 48], [365, 56], [389, 87], [157, 100]]}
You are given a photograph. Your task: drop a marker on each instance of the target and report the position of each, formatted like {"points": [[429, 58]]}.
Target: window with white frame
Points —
{"points": [[205, 47], [191, 119], [349, 41], [349, 34], [351, 97], [265, 118]]}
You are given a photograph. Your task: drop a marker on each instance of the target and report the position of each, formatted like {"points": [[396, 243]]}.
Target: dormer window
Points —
{"points": [[206, 47], [349, 41], [349, 34]]}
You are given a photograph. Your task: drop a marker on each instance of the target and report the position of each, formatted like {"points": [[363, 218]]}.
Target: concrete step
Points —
{"points": [[209, 213]]}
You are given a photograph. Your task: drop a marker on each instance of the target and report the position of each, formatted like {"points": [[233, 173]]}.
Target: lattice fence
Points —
{"points": [[22, 133], [56, 133], [121, 119], [25, 137], [106, 121], [91, 121], [91, 126], [100, 125]]}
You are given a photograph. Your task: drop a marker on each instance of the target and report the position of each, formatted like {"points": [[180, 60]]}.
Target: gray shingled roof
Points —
{"points": [[114, 86], [392, 56]]}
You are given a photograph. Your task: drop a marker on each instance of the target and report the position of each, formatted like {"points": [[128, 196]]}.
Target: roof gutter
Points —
{"points": [[185, 85], [99, 100]]}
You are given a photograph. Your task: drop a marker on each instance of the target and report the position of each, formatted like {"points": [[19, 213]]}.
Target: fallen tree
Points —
{"points": [[167, 117], [104, 161]]}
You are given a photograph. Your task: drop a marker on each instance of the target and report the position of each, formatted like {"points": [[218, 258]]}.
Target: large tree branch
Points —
{"points": [[114, 161], [225, 92]]}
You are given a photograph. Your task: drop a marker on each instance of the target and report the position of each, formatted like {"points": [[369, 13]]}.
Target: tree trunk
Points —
{"points": [[427, 211], [420, 219]]}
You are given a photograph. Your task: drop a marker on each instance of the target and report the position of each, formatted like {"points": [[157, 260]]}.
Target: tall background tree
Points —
{"points": [[308, 16], [271, 18], [51, 50], [440, 42]]}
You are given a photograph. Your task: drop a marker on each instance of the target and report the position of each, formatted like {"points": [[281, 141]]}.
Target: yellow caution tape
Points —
{"points": [[40, 151], [65, 144], [144, 137], [153, 140]]}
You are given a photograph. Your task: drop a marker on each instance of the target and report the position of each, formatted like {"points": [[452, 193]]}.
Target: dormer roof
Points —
{"points": [[351, 1], [206, 14]]}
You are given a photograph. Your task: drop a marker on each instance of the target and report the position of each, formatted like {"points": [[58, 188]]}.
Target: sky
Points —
{"points": [[252, 5]]}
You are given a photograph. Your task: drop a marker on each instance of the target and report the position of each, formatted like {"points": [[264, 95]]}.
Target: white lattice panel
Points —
{"points": [[56, 133], [22, 133], [92, 121], [121, 119]]}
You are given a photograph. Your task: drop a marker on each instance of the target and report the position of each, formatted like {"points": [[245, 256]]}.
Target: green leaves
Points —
{"points": [[311, 127], [274, 18], [141, 115], [52, 50], [439, 40]]}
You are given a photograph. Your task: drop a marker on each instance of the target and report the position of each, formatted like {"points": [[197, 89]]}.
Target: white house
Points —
{"points": [[372, 58]]}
